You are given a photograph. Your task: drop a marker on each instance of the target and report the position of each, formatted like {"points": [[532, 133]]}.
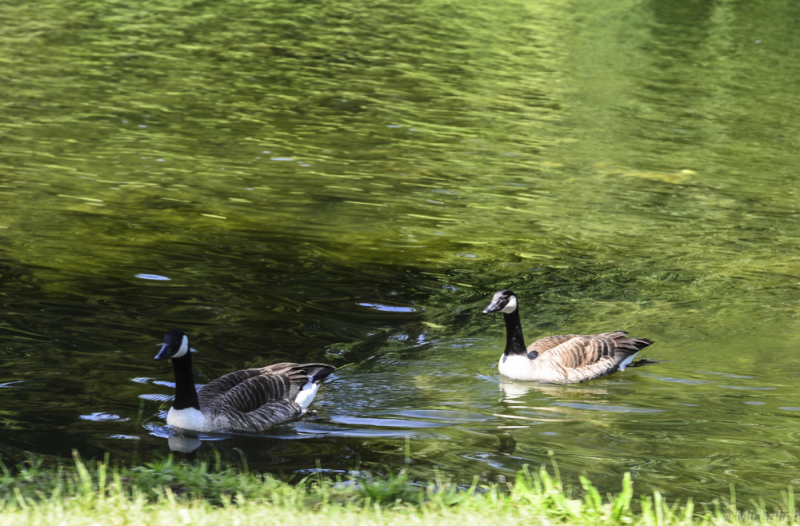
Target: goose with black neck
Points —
{"points": [[567, 358], [248, 400]]}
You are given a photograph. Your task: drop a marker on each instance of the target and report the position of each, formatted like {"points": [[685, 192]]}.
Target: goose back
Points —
{"points": [[276, 381], [255, 399], [581, 357], [549, 342]]}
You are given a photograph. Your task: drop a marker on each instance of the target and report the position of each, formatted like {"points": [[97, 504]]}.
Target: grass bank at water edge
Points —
{"points": [[168, 492]]}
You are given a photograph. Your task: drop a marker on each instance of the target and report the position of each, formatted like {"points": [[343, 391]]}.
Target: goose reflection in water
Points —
{"points": [[259, 451], [525, 408], [568, 402], [181, 444], [514, 391]]}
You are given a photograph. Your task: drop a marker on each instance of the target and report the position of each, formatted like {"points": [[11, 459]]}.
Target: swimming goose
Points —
{"points": [[567, 358], [249, 400]]}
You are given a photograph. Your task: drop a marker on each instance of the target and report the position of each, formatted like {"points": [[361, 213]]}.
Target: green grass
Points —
{"points": [[169, 492]]}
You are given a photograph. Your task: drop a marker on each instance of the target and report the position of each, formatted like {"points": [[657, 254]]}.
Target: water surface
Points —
{"points": [[351, 182]]}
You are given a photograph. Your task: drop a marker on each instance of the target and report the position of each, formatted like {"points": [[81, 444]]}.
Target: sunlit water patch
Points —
{"points": [[101, 417], [152, 277]]}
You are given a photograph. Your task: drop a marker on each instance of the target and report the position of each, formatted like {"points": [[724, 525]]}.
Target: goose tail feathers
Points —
{"points": [[622, 338], [317, 372]]}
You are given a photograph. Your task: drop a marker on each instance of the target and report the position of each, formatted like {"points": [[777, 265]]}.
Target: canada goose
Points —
{"points": [[566, 359], [249, 400]]}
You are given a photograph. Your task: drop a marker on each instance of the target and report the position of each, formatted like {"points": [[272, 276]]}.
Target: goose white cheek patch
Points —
{"points": [[511, 306], [184, 348]]}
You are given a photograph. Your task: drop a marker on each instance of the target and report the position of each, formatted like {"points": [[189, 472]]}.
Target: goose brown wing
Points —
{"points": [[267, 399], [594, 355], [550, 342], [582, 351], [210, 394], [317, 370], [252, 400], [255, 392], [621, 346], [298, 373], [261, 418]]}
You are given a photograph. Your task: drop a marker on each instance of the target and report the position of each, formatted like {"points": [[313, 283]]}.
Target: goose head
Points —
{"points": [[176, 345], [503, 301]]}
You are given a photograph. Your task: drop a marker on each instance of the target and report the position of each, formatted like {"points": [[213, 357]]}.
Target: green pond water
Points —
{"points": [[350, 183]]}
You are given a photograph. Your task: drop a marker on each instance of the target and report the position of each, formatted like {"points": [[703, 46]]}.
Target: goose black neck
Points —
{"points": [[515, 343], [185, 392]]}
